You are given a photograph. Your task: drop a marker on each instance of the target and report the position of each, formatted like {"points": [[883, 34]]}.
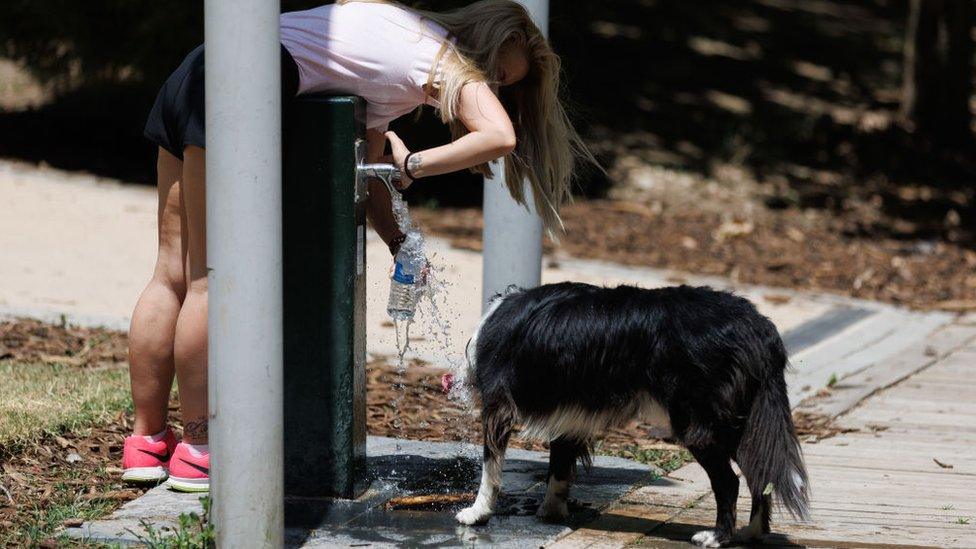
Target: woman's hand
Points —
{"points": [[400, 152]]}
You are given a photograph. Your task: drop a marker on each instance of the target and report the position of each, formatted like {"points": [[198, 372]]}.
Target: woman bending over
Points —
{"points": [[487, 70]]}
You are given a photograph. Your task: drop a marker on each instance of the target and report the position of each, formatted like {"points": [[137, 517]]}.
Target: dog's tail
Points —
{"points": [[769, 453]]}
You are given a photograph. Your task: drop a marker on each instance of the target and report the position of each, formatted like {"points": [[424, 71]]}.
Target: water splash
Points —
{"points": [[431, 305], [399, 385], [415, 248]]}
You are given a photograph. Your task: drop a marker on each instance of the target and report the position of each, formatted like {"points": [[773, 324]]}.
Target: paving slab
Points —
{"points": [[405, 467], [851, 389], [904, 478]]}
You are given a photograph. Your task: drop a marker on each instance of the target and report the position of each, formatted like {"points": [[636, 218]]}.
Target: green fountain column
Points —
{"points": [[324, 231]]}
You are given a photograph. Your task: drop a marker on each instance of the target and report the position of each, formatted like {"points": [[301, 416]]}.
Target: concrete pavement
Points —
{"points": [[901, 476]]}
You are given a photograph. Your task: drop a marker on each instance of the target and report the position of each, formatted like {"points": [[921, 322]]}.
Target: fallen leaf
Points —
{"points": [[732, 229], [628, 207], [777, 299], [957, 305], [112, 495], [796, 235], [57, 359]]}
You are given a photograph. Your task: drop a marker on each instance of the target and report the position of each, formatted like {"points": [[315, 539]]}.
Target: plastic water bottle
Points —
{"points": [[406, 281]]}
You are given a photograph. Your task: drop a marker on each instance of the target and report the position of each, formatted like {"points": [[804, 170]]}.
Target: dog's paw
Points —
{"points": [[473, 515], [751, 533], [553, 510], [706, 538]]}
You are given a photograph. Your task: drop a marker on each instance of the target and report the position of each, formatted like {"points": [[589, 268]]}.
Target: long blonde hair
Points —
{"points": [[547, 145]]}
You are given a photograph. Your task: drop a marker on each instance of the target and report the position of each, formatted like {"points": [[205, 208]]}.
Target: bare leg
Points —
{"points": [[190, 348], [497, 424], [153, 325]]}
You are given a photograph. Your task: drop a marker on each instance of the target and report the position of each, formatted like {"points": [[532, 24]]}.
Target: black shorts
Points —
{"points": [[176, 120]]}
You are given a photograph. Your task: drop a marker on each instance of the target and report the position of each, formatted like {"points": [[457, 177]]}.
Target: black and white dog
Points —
{"points": [[570, 360]]}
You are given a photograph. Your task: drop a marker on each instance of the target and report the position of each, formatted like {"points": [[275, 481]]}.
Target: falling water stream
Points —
{"points": [[431, 303]]}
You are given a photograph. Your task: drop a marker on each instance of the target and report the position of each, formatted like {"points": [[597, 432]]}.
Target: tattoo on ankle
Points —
{"points": [[196, 429]]}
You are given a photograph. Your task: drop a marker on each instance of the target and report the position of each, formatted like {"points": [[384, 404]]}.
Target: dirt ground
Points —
{"points": [[804, 249], [62, 480], [34, 341]]}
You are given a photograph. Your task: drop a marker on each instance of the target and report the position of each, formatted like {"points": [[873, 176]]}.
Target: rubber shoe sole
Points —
{"points": [[145, 475], [188, 484]]}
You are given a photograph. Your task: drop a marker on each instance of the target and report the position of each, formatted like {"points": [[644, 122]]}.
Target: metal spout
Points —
{"points": [[387, 173]]}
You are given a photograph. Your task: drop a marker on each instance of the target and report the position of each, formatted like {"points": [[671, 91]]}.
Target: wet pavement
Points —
{"points": [[403, 467]]}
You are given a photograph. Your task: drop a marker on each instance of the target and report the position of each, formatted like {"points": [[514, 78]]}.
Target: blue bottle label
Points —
{"points": [[400, 276]]}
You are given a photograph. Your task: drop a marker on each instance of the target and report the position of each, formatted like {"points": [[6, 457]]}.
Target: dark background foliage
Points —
{"points": [[792, 90]]}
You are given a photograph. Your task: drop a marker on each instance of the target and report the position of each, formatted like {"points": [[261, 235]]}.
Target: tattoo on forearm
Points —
{"points": [[414, 164], [196, 429]]}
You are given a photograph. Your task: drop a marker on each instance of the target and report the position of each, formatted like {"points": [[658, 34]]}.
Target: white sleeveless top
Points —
{"points": [[378, 51]]}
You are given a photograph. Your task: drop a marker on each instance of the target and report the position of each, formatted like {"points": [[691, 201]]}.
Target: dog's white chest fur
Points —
{"points": [[577, 422]]}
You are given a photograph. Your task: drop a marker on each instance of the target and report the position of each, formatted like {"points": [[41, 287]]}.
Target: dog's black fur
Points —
{"points": [[708, 358]]}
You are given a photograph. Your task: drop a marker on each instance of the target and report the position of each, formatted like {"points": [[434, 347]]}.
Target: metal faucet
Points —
{"points": [[387, 173]]}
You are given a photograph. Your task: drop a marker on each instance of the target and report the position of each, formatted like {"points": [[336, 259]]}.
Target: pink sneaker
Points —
{"points": [[189, 470], [145, 461]]}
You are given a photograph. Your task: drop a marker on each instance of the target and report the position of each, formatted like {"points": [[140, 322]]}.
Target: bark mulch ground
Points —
{"points": [[803, 249], [34, 341], [61, 481]]}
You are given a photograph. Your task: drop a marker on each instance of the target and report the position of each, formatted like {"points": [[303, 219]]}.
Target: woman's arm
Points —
{"points": [[491, 136], [379, 210]]}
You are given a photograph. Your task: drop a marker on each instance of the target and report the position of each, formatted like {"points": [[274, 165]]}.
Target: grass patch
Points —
{"points": [[61, 494], [193, 532], [42, 520], [666, 459], [38, 399], [48, 411]]}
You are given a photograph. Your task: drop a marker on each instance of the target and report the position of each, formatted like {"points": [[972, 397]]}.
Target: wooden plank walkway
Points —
{"points": [[905, 478]]}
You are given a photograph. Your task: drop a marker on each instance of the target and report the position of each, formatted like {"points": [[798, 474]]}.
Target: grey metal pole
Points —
{"points": [[244, 253], [512, 234]]}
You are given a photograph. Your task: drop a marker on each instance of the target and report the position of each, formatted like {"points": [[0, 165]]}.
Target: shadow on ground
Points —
{"points": [[397, 475], [677, 534], [805, 94]]}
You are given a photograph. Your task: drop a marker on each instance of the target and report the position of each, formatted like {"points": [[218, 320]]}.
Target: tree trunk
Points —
{"points": [[938, 70], [958, 72]]}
